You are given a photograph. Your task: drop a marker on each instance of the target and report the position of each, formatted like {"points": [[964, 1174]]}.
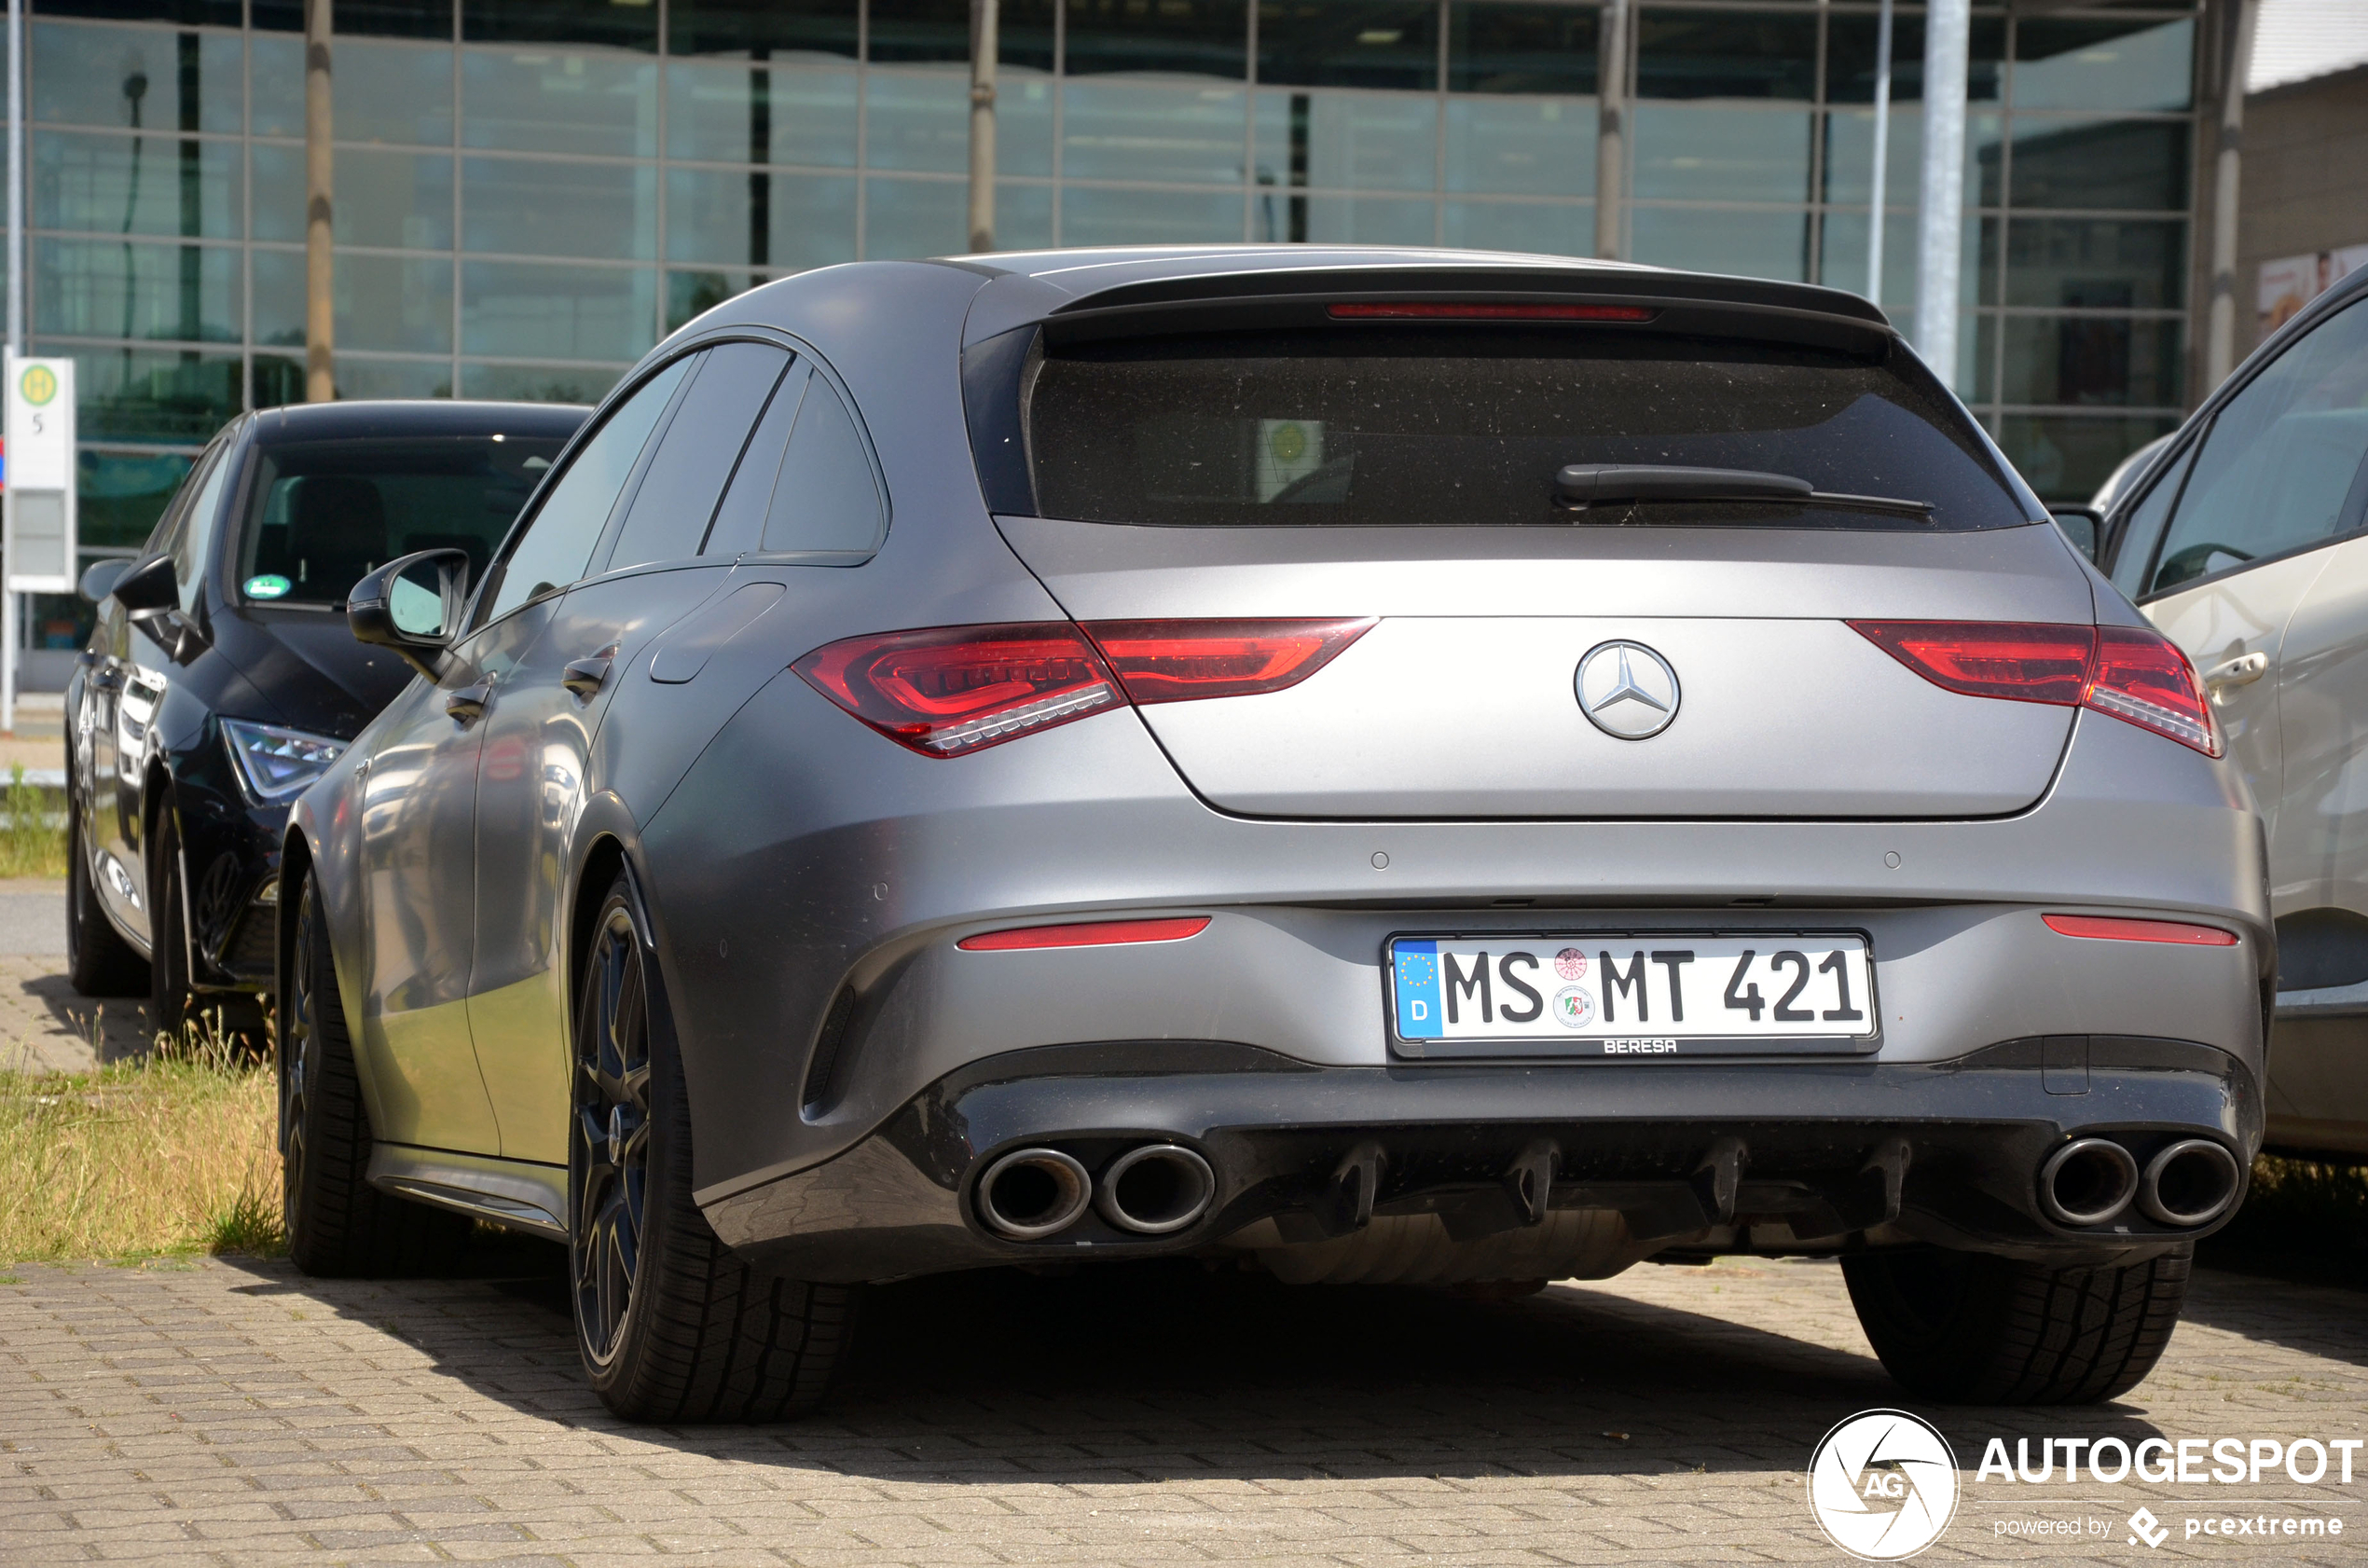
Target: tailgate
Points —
{"points": [[1462, 701]]}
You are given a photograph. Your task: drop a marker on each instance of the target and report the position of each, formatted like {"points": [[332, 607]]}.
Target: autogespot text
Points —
{"points": [[2230, 1461]]}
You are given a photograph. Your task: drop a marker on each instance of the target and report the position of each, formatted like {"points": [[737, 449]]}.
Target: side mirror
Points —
{"points": [[2085, 526], [412, 605], [146, 589], [100, 581]]}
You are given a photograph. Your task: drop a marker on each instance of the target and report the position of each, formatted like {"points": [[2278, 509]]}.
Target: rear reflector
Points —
{"points": [[1441, 310], [1098, 933], [1177, 661], [950, 691], [2133, 674], [2107, 927]]}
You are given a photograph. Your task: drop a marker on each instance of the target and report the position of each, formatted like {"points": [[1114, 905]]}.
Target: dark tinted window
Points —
{"points": [[825, 497], [739, 522], [2285, 464], [169, 537], [193, 531], [2136, 549], [1464, 428], [322, 513], [559, 539], [677, 491], [805, 485]]}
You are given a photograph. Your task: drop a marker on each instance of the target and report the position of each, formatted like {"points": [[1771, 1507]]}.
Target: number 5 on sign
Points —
{"points": [[37, 541]]}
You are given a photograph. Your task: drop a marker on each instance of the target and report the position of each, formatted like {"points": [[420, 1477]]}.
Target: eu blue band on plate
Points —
{"points": [[1415, 969]]}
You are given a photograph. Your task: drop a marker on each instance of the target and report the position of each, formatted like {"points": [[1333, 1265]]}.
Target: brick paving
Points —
{"points": [[231, 1412], [47, 1025]]}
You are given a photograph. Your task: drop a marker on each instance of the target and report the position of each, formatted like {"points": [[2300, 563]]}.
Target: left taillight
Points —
{"points": [[2135, 674], [950, 691]]}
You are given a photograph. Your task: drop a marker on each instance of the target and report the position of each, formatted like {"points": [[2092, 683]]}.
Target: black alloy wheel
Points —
{"points": [[672, 1324], [232, 1018], [609, 1149]]}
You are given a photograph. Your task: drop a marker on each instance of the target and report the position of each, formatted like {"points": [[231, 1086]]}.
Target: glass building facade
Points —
{"points": [[529, 193]]}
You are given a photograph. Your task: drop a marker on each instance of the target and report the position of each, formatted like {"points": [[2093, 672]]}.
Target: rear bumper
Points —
{"points": [[1726, 1156], [809, 899]]}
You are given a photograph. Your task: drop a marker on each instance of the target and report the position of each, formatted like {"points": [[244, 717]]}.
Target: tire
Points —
{"points": [[99, 962], [167, 938], [338, 1226], [673, 1326], [1970, 1329]]}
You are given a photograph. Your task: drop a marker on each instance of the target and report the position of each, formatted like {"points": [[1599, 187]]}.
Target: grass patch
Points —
{"points": [[2300, 1220], [33, 842], [170, 1155]]}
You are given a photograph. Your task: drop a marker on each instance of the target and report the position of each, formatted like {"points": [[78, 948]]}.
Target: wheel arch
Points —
{"points": [[611, 846], [604, 855], [319, 844], [156, 799], [296, 864]]}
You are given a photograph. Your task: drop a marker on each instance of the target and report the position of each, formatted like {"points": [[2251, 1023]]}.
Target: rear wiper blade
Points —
{"points": [[1591, 484]]}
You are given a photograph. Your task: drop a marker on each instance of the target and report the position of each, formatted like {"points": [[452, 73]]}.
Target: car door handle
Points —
{"points": [[584, 676], [468, 703], [2236, 672]]}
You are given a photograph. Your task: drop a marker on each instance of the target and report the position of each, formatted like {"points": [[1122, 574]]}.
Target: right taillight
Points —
{"points": [[2143, 676], [2132, 674]]}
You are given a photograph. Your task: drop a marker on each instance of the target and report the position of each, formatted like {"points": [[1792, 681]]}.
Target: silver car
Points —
{"points": [[1385, 766], [2247, 545]]}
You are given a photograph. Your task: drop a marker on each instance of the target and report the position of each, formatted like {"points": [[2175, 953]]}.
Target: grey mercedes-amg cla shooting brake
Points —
{"points": [[1395, 766]]}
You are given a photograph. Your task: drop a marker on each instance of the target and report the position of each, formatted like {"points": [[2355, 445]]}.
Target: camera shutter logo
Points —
{"points": [[1883, 1485]]}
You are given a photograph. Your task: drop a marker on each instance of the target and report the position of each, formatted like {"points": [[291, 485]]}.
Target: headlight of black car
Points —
{"points": [[274, 763]]}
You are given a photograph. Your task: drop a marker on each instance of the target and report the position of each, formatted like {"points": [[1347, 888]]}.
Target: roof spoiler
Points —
{"points": [[1623, 300]]}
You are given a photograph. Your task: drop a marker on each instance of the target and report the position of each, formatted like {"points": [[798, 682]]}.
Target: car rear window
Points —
{"points": [[320, 514], [1416, 427]]}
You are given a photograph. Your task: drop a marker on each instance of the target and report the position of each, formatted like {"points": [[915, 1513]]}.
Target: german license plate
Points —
{"points": [[1633, 994]]}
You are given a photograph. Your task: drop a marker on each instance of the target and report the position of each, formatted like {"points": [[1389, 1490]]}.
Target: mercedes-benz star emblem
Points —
{"points": [[1626, 690]]}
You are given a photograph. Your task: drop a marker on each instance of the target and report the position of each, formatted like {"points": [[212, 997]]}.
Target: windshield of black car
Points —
{"points": [[320, 514], [1413, 426]]}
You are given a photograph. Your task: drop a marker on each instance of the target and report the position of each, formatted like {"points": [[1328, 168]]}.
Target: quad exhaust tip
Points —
{"points": [[2087, 1182], [1155, 1190], [2191, 1182], [1032, 1193]]}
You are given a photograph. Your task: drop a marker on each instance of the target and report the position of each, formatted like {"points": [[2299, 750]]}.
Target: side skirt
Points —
{"points": [[516, 1194]]}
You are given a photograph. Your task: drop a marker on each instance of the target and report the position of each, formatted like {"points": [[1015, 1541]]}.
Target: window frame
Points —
{"points": [[477, 619], [828, 373], [801, 352], [613, 532]]}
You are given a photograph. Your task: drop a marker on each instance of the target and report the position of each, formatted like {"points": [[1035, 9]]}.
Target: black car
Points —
{"points": [[221, 679]]}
